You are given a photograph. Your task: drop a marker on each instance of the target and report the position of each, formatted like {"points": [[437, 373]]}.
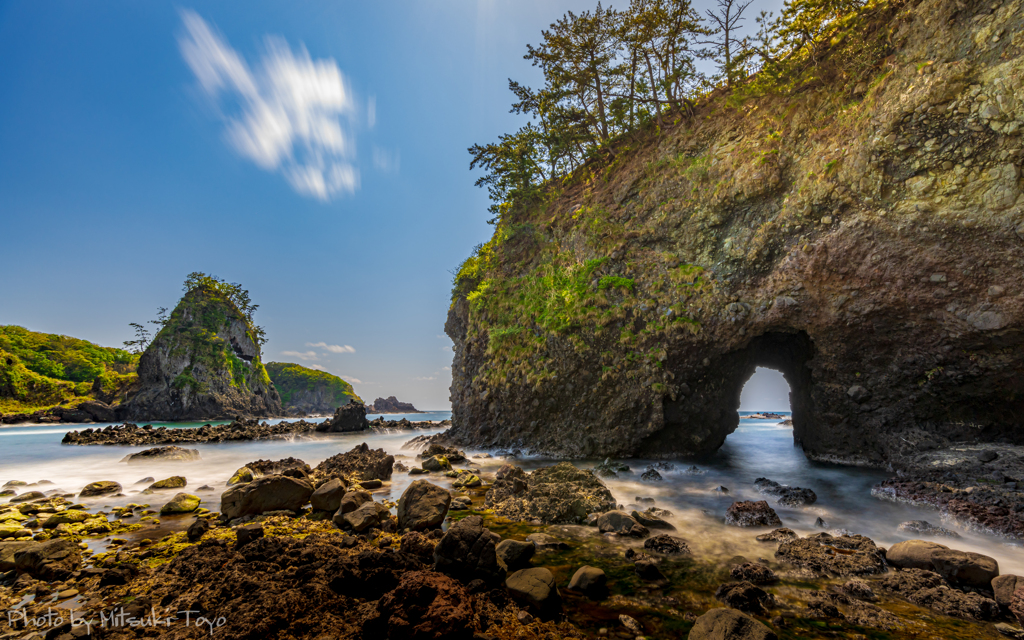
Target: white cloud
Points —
{"points": [[351, 380], [302, 355], [290, 109], [318, 367], [446, 368], [333, 348], [425, 378], [386, 161]]}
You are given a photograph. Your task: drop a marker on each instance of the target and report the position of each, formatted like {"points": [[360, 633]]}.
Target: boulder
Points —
{"points": [[1017, 604], [182, 503], [327, 496], [435, 449], [289, 466], [351, 501], [536, 588], [744, 596], [561, 494], [267, 493], [170, 453], [241, 476], [778, 535], [753, 572], [423, 506], [174, 482], [751, 514], [348, 418], [68, 516], [101, 488], [651, 521], [956, 567], [468, 551], [515, 554], [248, 533], [590, 581], [418, 544], [436, 463], [648, 570], [9, 530], [834, 555], [367, 515], [27, 497], [1003, 587], [198, 529], [729, 624], [928, 589], [667, 545], [621, 523], [424, 606], [361, 463], [51, 560]]}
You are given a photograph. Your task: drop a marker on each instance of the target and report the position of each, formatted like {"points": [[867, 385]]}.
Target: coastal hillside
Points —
{"points": [[40, 370], [304, 390], [850, 215], [205, 362]]}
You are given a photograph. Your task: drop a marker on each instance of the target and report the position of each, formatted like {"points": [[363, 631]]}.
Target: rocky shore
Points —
{"points": [[300, 551]]}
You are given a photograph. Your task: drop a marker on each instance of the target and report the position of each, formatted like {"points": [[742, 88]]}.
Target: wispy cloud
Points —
{"points": [[425, 378], [384, 160], [446, 368], [351, 380], [333, 348], [301, 355], [288, 112], [318, 367]]}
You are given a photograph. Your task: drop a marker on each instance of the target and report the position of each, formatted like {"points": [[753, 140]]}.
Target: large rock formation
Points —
{"points": [[864, 236], [204, 363], [391, 404], [307, 391]]}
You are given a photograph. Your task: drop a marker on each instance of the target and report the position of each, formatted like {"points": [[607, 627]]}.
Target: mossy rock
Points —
{"points": [[101, 488], [150, 520], [181, 503], [14, 514], [241, 476], [466, 479], [97, 526], [437, 463], [10, 530], [70, 516], [174, 482]]}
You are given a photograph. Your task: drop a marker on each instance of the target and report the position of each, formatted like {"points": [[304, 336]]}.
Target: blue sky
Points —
{"points": [[314, 152]]}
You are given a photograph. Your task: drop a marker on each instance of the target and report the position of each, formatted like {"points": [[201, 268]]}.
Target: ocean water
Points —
{"points": [[758, 448]]}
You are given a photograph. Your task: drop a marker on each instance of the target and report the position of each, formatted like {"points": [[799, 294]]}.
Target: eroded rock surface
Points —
{"points": [[561, 494]]}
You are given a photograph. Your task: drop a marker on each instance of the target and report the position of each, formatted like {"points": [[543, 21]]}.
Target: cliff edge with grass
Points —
{"points": [[859, 227]]}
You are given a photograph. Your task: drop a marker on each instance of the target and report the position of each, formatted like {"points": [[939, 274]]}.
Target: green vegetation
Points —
{"points": [[39, 370], [290, 378]]}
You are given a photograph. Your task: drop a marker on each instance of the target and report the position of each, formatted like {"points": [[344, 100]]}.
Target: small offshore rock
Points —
{"points": [[174, 482], [102, 488], [170, 453], [782, 534], [651, 475]]}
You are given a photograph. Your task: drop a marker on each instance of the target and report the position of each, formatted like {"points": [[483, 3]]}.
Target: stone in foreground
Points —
{"points": [[729, 624], [267, 493], [590, 581], [752, 514], [536, 588], [423, 506]]}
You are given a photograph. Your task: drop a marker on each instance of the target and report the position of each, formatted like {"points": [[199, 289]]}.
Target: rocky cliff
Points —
{"points": [[391, 404], [203, 364], [305, 391], [863, 234]]}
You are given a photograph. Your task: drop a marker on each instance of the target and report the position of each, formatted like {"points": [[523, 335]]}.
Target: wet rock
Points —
{"points": [[351, 501], [371, 484], [515, 554], [785, 495], [611, 468], [957, 567], [859, 589], [362, 518], [1003, 587], [468, 551], [248, 533], [182, 503], [590, 581], [987, 456], [27, 497], [266, 493], [744, 596], [751, 514], [1016, 603], [667, 545], [651, 475], [11, 530], [545, 542], [648, 570], [1009, 630], [361, 463], [925, 528], [169, 453], [68, 516], [869, 615], [753, 573], [50, 560], [621, 523], [651, 521], [729, 625], [174, 482], [536, 588], [453, 455], [424, 606], [631, 624], [423, 506], [327, 496], [437, 463], [102, 488], [561, 494], [198, 529], [836, 556], [348, 418], [778, 535], [241, 476], [928, 589], [820, 523]]}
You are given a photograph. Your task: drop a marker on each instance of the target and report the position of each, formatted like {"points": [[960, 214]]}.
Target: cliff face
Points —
{"points": [[865, 237], [304, 390], [204, 364]]}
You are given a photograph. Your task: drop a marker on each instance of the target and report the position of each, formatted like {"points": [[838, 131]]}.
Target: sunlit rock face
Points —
{"points": [[867, 241]]}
